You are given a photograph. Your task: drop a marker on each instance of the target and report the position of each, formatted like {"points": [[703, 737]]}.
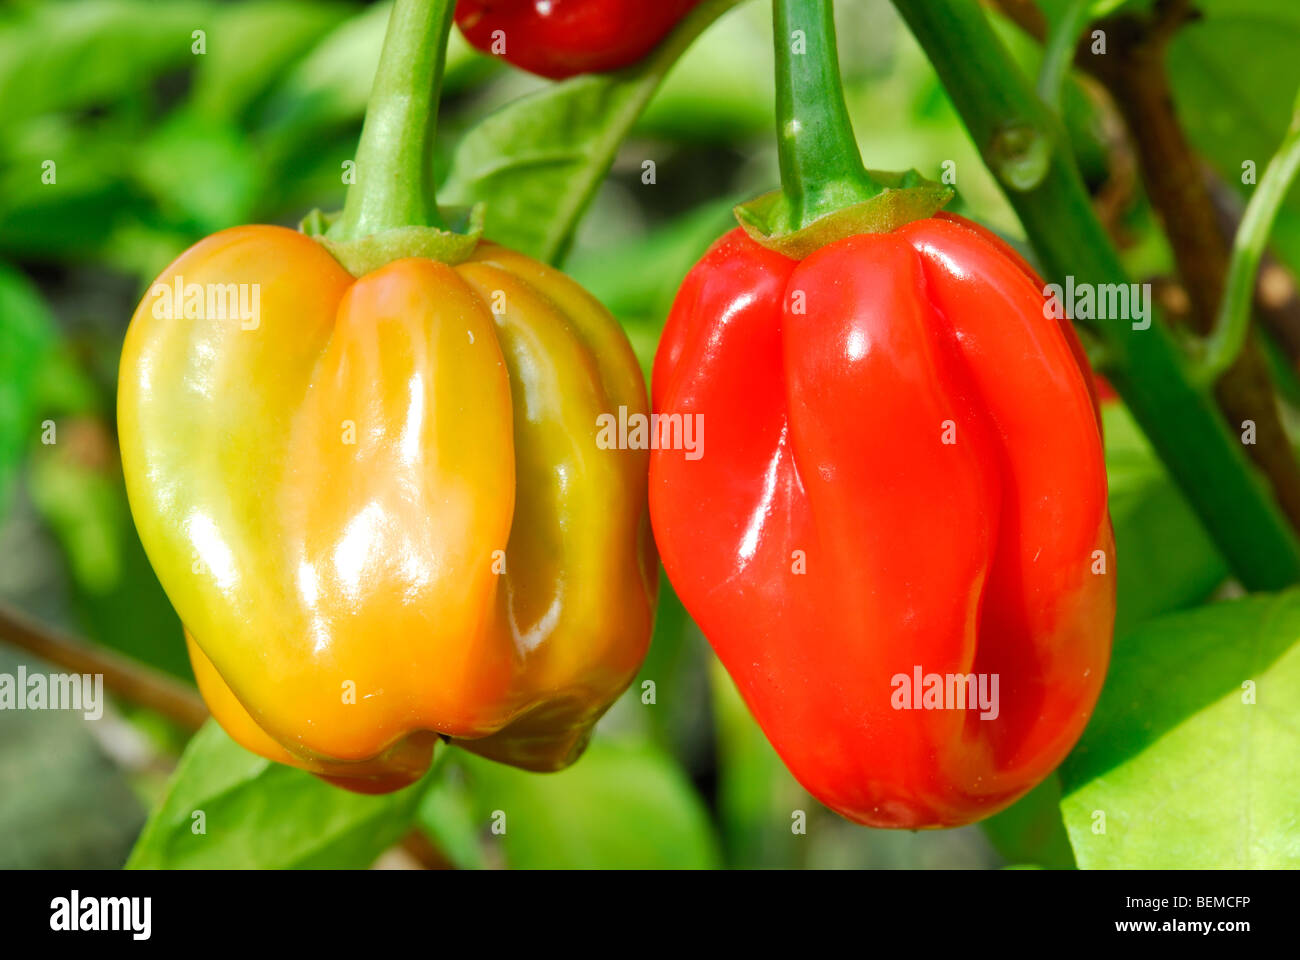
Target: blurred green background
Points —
{"points": [[154, 145]]}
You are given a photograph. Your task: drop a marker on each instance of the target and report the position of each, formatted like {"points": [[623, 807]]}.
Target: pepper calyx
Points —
{"points": [[906, 197], [363, 255]]}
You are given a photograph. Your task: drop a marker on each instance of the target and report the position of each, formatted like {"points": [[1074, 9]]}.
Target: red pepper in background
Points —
{"points": [[561, 38], [903, 476]]}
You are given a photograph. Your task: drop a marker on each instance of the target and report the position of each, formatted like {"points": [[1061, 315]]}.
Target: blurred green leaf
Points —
{"points": [[721, 89], [448, 816], [116, 594], [677, 665], [62, 191], [1164, 560], [249, 45], [201, 172], [1190, 755], [756, 793], [1030, 831], [624, 805], [538, 161], [79, 54], [263, 815], [28, 334], [330, 85]]}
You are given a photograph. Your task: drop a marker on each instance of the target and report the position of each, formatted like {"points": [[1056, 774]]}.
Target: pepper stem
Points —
{"points": [[394, 163], [821, 168]]}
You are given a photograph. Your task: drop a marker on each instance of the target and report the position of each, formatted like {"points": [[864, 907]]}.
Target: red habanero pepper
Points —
{"points": [[561, 38], [904, 480]]}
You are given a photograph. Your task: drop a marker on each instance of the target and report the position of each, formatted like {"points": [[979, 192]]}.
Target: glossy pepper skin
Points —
{"points": [[386, 488], [828, 540], [561, 38]]}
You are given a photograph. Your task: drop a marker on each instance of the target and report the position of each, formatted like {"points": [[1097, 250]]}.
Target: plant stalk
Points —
{"points": [[394, 165], [821, 168]]}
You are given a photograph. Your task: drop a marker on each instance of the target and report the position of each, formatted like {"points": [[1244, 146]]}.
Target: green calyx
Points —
{"points": [[905, 197], [361, 255]]}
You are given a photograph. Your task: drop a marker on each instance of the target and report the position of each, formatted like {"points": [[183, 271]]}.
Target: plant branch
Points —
{"points": [[127, 679], [1145, 365]]}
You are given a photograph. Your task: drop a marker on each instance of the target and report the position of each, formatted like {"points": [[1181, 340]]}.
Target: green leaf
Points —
{"points": [[720, 90], [448, 816], [637, 279], [538, 160], [1030, 832], [250, 45], [200, 170], [66, 56], [328, 88], [28, 334], [1164, 560], [756, 793], [624, 805], [263, 815], [1190, 755], [115, 591]]}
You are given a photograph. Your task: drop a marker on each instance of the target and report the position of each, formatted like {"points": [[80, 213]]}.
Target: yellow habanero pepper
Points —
{"points": [[382, 509], [376, 498]]}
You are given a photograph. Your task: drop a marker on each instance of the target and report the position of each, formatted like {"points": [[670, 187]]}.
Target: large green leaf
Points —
{"points": [[538, 160], [1190, 758], [1164, 560], [624, 805], [259, 814]]}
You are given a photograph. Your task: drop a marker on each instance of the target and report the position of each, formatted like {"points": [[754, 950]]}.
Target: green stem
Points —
{"points": [[1233, 321], [394, 169], [821, 169], [1058, 52], [1203, 456]]}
